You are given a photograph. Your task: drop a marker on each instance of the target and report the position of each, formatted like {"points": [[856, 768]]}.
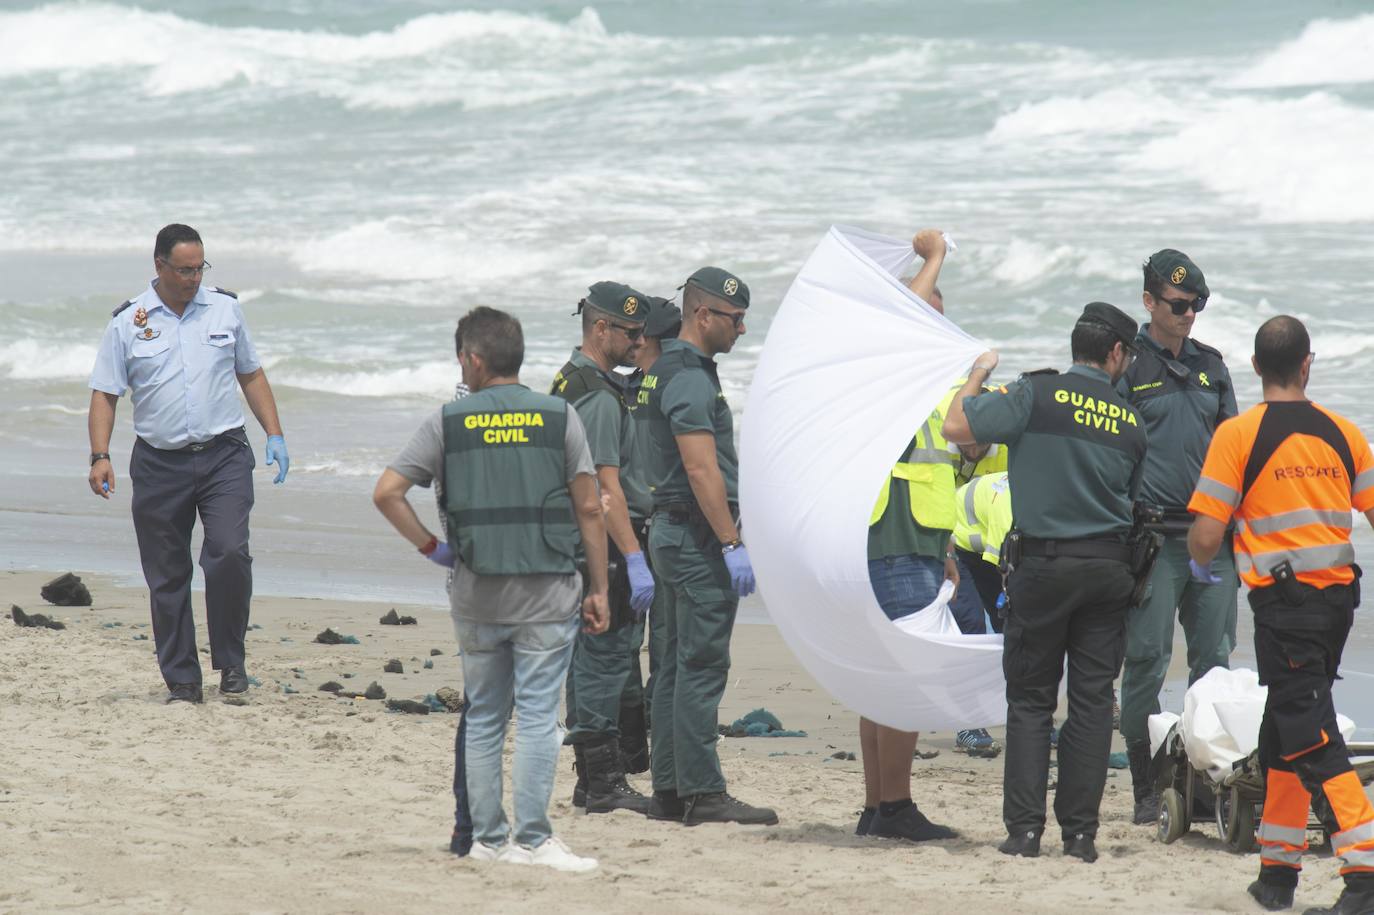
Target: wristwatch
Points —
{"points": [[99, 456], [731, 546]]}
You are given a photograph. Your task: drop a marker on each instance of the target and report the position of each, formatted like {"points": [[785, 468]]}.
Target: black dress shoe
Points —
{"points": [[1025, 844], [233, 680], [1081, 846], [1273, 897], [184, 692]]}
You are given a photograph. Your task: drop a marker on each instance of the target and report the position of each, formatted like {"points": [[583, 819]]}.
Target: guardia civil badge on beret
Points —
{"points": [[631, 305]]}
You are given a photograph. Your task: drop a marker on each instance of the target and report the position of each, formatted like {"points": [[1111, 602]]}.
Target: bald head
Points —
{"points": [[1281, 348]]}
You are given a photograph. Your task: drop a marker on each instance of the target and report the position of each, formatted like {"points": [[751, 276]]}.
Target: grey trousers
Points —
{"points": [[170, 489]]}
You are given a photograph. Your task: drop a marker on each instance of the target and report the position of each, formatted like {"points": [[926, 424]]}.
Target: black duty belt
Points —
{"points": [[685, 512], [1087, 548], [237, 434]]}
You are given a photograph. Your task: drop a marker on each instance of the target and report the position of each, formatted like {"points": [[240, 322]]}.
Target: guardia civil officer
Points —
{"points": [[1076, 461], [1182, 390], [518, 486], [636, 703], [183, 352], [694, 539], [1291, 471], [613, 318]]}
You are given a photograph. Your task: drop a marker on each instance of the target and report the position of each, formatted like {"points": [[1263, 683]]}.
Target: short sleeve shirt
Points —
{"points": [[500, 599], [689, 400], [180, 370]]}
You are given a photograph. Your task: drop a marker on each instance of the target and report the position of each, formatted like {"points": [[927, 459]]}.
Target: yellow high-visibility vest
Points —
{"points": [[928, 467], [982, 515]]}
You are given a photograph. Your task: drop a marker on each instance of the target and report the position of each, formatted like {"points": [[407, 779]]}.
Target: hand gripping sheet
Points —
{"points": [[853, 364]]}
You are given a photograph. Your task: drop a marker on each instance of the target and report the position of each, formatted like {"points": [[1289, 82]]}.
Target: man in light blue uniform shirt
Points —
{"points": [[182, 351]]}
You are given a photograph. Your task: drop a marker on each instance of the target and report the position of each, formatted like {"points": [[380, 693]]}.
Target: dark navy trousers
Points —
{"points": [[170, 488]]}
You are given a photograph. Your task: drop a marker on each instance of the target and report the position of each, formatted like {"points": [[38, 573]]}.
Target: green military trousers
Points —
{"points": [[601, 665], [1208, 615], [696, 616]]}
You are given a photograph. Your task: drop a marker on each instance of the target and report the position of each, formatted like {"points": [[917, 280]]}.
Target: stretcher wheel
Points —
{"points": [[1242, 820], [1173, 816], [1225, 815]]}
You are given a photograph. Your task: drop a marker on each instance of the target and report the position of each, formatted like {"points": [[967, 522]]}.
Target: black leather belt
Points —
{"points": [[684, 512], [1086, 548], [237, 433]]}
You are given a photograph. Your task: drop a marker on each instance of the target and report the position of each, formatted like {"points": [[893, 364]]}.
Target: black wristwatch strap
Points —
{"points": [[99, 456]]}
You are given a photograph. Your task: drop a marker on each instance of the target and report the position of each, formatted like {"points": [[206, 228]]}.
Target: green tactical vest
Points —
{"points": [[574, 382], [505, 485]]}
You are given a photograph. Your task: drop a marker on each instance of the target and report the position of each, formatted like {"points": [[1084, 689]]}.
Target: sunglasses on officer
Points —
{"points": [[633, 333], [736, 317], [1180, 306], [187, 272]]}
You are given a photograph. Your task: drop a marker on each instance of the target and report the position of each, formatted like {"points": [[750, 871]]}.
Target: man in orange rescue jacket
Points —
{"points": [[1290, 471]]}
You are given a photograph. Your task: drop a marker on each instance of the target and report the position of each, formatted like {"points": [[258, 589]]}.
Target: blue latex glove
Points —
{"points": [[442, 555], [641, 584], [276, 454], [1202, 574], [741, 571]]}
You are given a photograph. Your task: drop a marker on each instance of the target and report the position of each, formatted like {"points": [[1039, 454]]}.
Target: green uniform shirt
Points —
{"points": [[1077, 452], [1181, 401], [681, 393], [602, 417], [899, 534], [635, 448]]}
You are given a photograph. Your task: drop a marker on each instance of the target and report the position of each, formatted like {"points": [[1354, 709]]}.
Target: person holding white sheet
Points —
{"points": [[908, 559]]}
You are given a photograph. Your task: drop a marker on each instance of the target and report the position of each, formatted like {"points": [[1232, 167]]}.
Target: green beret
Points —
{"points": [[722, 284], [665, 318], [1177, 269], [619, 301], [1111, 317]]}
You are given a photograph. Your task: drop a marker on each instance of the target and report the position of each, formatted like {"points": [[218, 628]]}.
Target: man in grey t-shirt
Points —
{"points": [[503, 456]]}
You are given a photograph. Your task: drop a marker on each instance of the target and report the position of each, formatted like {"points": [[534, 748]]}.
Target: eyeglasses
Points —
{"points": [[736, 317], [1180, 306], [634, 333], [187, 272]]}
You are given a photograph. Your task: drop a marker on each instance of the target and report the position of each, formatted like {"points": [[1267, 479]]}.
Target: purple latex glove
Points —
{"points": [[1202, 574], [442, 555], [741, 571], [641, 584]]}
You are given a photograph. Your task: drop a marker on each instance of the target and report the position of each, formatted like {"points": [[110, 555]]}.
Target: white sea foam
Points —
{"points": [[32, 360], [479, 59], [1289, 160], [428, 379], [398, 248], [1117, 110], [1328, 52]]}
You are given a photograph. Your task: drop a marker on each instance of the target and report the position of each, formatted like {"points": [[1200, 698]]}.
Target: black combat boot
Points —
{"points": [[634, 739], [607, 789], [1146, 798], [580, 767]]}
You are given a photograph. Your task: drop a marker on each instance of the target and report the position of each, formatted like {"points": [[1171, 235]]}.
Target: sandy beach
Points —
{"points": [[302, 802]]}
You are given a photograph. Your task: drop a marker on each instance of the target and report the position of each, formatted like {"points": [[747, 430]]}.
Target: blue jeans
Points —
{"points": [[905, 584], [521, 667]]}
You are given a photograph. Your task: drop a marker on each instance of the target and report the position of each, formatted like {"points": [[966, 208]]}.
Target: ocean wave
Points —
{"points": [[1291, 160], [1022, 262], [478, 59], [1328, 52], [399, 248], [428, 379], [30, 360], [1118, 110]]}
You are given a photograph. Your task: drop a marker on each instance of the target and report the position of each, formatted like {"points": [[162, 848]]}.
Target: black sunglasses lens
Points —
{"points": [[1180, 307]]}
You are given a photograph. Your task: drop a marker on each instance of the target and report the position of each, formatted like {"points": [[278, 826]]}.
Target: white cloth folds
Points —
{"points": [[853, 364]]}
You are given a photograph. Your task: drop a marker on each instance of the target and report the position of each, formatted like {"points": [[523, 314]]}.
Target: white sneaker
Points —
{"points": [[515, 854], [481, 851], [553, 853]]}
